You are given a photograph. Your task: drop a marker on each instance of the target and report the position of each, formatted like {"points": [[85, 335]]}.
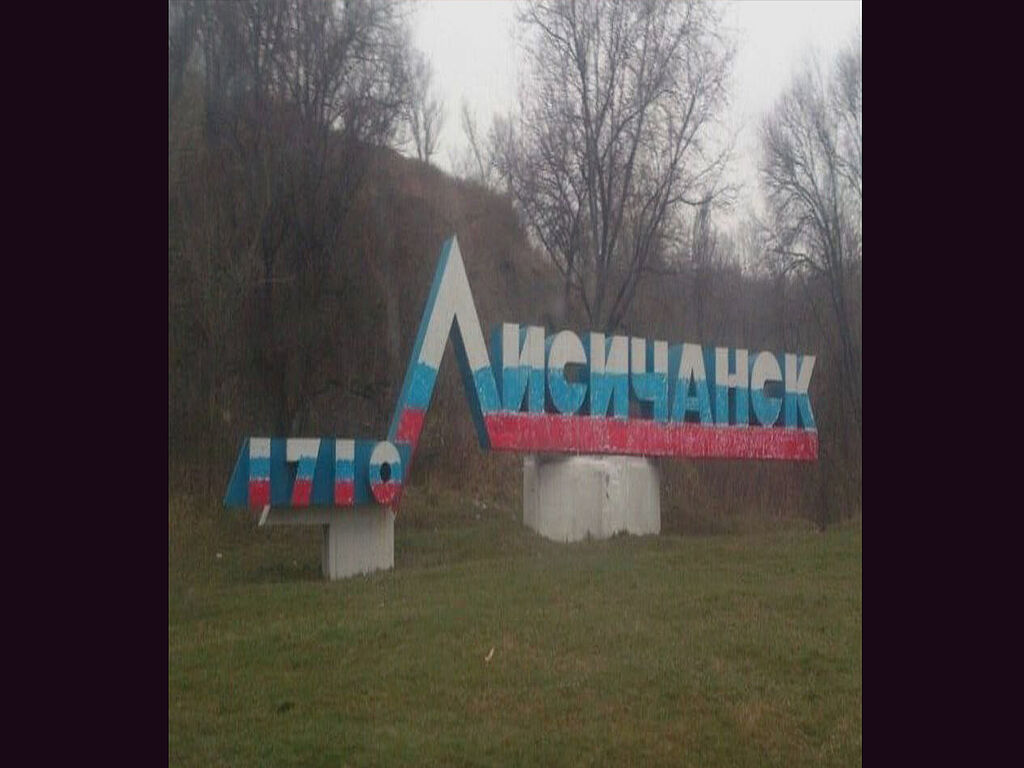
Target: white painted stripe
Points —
{"points": [[532, 353], [638, 356], [454, 301], [596, 362], [533, 350], [617, 360], [740, 377], [566, 348], [344, 450], [385, 452], [510, 345], [798, 382], [259, 447], [692, 363], [766, 368], [618, 355], [661, 357], [297, 447]]}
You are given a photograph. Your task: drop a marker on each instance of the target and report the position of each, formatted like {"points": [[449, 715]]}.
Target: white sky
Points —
{"points": [[472, 48]]}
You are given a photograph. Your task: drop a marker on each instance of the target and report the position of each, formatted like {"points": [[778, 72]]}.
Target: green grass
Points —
{"points": [[739, 649]]}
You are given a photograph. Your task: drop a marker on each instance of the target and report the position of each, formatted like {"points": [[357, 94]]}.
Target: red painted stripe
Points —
{"points": [[594, 434], [387, 493], [344, 494], [300, 492], [259, 493], [409, 426]]}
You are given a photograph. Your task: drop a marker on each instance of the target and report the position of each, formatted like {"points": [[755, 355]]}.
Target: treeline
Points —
{"points": [[301, 247]]}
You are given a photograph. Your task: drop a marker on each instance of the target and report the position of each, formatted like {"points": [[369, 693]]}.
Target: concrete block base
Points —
{"points": [[568, 498], [358, 541]]}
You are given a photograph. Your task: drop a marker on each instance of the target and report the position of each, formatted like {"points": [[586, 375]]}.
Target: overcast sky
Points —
{"points": [[471, 45]]}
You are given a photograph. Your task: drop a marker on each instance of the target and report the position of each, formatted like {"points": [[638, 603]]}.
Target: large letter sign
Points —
{"points": [[548, 393]]}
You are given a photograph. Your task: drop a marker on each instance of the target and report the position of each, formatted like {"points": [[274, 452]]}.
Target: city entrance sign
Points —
{"points": [[560, 393]]}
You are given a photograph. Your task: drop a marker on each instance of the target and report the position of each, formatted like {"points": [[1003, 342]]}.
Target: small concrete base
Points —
{"points": [[356, 540], [568, 498]]}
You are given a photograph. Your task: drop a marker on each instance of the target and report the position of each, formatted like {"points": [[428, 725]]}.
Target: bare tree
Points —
{"points": [[703, 254], [847, 102], [811, 174], [425, 111], [295, 95], [614, 141], [476, 161]]}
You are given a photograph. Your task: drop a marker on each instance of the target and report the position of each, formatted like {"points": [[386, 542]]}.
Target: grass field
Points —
{"points": [[734, 649]]}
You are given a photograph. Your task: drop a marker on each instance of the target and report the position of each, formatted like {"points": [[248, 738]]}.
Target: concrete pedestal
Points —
{"points": [[568, 498], [356, 540]]}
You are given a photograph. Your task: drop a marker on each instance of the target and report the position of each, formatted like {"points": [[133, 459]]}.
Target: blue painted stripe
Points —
{"points": [[344, 469], [689, 395], [734, 409], [238, 486], [651, 392], [281, 475], [535, 398], [795, 405], [322, 493], [396, 473], [562, 395], [730, 405], [608, 388], [649, 389], [692, 397], [515, 380], [364, 449], [487, 391], [565, 397], [767, 408], [519, 382], [421, 388], [306, 465], [259, 468]]}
